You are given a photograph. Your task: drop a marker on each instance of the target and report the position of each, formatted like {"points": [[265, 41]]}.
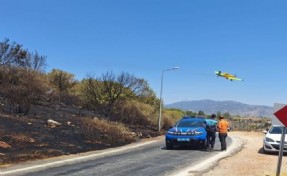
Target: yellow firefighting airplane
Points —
{"points": [[228, 76]]}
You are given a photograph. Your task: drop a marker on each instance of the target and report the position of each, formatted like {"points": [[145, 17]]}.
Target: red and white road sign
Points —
{"points": [[281, 115]]}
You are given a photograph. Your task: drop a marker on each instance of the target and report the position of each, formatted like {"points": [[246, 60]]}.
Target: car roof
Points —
{"points": [[192, 118]]}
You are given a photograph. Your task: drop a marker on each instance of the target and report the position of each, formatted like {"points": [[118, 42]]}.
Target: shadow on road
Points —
{"points": [[183, 147], [261, 151]]}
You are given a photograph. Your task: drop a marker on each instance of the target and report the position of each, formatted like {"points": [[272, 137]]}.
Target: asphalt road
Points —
{"points": [[149, 158]]}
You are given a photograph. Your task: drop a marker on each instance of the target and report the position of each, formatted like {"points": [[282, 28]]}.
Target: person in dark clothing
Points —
{"points": [[211, 128]]}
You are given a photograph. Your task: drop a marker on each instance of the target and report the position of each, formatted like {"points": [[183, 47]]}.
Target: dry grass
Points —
{"points": [[105, 130], [250, 161], [167, 122], [133, 112]]}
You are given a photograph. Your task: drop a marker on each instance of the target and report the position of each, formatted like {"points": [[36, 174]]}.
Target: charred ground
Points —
{"points": [[29, 137]]}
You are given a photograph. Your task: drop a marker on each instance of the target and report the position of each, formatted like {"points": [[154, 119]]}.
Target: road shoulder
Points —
{"points": [[205, 166]]}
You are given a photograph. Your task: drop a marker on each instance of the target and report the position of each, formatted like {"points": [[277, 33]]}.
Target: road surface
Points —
{"points": [[143, 158]]}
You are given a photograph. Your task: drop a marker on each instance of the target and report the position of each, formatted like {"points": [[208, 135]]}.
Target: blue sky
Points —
{"points": [[144, 37]]}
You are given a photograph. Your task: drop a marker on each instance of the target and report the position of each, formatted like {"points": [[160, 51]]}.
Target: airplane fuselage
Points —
{"points": [[229, 76]]}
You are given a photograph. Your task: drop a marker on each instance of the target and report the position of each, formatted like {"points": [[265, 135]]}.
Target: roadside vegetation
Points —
{"points": [[45, 114], [116, 97]]}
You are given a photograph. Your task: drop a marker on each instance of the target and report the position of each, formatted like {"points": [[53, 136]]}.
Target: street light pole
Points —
{"points": [[160, 104]]}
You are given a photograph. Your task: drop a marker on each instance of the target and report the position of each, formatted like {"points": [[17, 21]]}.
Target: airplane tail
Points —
{"points": [[217, 73]]}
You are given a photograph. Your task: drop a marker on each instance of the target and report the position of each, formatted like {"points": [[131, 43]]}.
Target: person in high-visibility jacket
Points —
{"points": [[223, 126]]}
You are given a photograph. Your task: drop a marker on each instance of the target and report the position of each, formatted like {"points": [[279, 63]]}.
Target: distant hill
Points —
{"points": [[233, 107]]}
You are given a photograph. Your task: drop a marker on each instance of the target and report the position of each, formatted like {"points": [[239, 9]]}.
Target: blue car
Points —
{"points": [[187, 131]]}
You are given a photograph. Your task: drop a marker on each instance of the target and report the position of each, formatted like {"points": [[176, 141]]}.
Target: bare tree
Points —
{"points": [[10, 54], [35, 61], [13, 55], [107, 93], [21, 82], [147, 95]]}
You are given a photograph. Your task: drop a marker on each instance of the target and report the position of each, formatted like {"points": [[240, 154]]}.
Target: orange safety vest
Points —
{"points": [[222, 126]]}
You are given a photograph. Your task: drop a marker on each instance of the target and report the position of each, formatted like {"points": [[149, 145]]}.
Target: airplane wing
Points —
{"points": [[235, 78]]}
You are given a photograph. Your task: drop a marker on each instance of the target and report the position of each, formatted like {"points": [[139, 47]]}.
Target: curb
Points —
{"points": [[199, 169]]}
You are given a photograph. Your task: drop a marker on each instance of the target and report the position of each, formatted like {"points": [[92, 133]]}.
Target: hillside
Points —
{"points": [[32, 137], [233, 107], [50, 114]]}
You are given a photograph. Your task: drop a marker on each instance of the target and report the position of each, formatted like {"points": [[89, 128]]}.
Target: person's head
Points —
{"points": [[221, 117], [213, 116]]}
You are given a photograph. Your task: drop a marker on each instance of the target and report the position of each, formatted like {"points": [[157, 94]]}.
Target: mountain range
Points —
{"points": [[233, 107]]}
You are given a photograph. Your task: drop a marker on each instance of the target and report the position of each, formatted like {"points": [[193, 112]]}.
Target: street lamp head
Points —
{"points": [[173, 68], [160, 104]]}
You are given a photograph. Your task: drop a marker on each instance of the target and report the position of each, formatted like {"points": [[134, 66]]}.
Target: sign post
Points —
{"points": [[279, 163], [281, 114]]}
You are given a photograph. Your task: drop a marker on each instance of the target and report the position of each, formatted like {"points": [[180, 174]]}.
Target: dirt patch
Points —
{"points": [[250, 161]]}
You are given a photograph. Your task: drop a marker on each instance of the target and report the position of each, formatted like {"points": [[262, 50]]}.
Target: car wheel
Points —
{"points": [[168, 146], [203, 145], [264, 151]]}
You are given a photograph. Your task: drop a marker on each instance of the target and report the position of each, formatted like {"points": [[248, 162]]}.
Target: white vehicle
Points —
{"points": [[271, 142]]}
